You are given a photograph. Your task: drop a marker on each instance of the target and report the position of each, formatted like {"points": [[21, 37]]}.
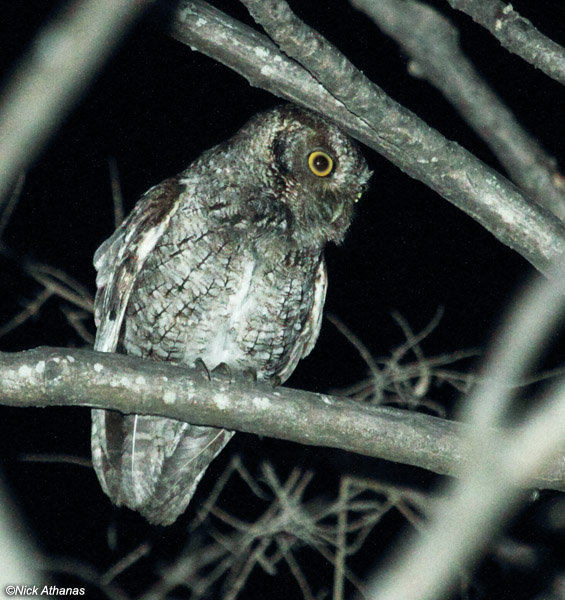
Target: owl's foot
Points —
{"points": [[201, 367], [275, 381], [222, 373], [249, 375]]}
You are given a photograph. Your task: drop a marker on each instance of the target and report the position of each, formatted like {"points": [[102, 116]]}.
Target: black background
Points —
{"points": [[154, 108]]}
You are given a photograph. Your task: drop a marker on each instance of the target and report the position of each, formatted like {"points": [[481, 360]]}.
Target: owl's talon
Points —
{"points": [[275, 381], [222, 373], [249, 375], [200, 365]]}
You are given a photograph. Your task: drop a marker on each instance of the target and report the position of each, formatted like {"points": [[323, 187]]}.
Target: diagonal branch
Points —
{"points": [[344, 94], [432, 42], [63, 377], [516, 34]]}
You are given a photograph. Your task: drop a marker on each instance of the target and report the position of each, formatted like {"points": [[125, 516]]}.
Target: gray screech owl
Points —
{"points": [[222, 263]]}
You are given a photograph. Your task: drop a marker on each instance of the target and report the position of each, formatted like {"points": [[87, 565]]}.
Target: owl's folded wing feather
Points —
{"points": [[311, 332], [311, 329], [118, 261], [121, 257]]}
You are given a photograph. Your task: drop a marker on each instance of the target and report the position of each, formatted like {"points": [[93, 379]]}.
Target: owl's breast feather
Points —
{"points": [[223, 345]]}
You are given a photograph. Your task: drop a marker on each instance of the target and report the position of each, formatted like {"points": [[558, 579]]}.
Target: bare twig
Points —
{"points": [[410, 382], [433, 45], [341, 541], [117, 197], [76, 319], [377, 378], [125, 563], [332, 527], [56, 283], [86, 573], [31, 309], [60, 284], [65, 459], [235, 466], [420, 389], [516, 34], [395, 373], [7, 208]]}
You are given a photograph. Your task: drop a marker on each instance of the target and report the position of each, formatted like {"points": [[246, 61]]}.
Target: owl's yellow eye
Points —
{"points": [[320, 163]]}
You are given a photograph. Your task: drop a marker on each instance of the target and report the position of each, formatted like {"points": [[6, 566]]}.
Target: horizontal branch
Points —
{"points": [[318, 76], [63, 377]]}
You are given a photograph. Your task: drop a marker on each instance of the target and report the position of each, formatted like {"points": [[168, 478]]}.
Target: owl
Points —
{"points": [[221, 264]]}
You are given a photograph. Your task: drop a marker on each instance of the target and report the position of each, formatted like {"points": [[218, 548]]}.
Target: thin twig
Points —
{"points": [[86, 573], [341, 540], [9, 206], [125, 563], [117, 196], [56, 283], [413, 344], [76, 319], [31, 309], [65, 459], [61, 284], [377, 377]]}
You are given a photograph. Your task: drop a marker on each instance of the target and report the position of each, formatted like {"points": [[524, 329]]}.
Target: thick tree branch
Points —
{"points": [[432, 43], [516, 34], [344, 94], [62, 377]]}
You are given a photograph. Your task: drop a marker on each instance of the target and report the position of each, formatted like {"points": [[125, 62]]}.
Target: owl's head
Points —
{"points": [[313, 170]]}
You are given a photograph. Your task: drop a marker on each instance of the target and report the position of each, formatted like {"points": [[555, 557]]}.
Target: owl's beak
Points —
{"points": [[338, 211]]}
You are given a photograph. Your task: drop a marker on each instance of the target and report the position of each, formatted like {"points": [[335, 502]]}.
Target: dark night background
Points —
{"points": [[153, 109]]}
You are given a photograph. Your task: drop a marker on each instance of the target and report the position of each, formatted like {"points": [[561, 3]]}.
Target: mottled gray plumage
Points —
{"points": [[223, 263]]}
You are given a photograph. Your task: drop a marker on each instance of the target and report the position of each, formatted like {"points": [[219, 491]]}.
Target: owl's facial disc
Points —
{"points": [[320, 172], [322, 164]]}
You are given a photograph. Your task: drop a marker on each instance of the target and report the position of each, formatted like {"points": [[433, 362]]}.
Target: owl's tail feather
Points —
{"points": [[182, 472], [152, 464]]}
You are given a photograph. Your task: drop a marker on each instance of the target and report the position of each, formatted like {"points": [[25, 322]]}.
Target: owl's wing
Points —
{"points": [[311, 329], [120, 258], [118, 261], [311, 332]]}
